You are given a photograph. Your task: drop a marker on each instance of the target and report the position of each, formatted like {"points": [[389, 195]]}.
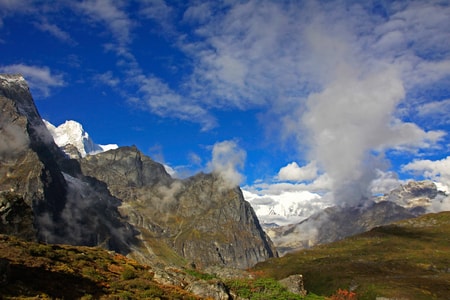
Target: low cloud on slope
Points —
{"points": [[227, 160]]}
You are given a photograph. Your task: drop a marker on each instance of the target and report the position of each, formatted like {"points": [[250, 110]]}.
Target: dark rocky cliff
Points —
{"points": [[120, 199], [39, 200], [30, 177]]}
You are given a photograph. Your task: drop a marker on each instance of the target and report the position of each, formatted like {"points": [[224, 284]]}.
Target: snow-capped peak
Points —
{"points": [[71, 133], [289, 207]]}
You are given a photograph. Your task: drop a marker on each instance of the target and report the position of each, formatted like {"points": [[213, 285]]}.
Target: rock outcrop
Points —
{"points": [[414, 194]]}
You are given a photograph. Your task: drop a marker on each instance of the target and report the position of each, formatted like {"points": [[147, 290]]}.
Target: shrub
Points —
{"points": [[128, 273], [343, 295]]}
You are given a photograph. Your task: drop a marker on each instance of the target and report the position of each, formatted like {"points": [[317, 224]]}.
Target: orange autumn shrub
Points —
{"points": [[343, 295]]}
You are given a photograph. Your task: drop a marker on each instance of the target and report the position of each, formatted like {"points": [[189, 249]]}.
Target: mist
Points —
{"points": [[14, 140], [227, 160]]}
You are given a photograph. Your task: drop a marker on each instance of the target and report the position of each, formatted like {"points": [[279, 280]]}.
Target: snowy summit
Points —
{"points": [[71, 134]]}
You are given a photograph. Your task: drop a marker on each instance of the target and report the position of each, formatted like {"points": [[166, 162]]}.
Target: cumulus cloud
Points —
{"points": [[227, 160], [436, 170], [293, 172], [40, 79], [384, 182], [349, 120]]}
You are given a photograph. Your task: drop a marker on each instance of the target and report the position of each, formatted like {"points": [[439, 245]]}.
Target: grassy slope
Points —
{"points": [[410, 259], [73, 272]]}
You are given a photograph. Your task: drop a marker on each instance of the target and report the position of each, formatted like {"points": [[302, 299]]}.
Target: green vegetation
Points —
{"points": [[264, 288], [409, 259], [73, 272]]}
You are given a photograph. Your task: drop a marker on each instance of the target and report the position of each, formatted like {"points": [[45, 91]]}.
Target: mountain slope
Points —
{"points": [[203, 222], [406, 260], [335, 223], [39, 199], [119, 199]]}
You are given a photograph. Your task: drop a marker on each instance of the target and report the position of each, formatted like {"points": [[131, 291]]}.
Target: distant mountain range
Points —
{"points": [[335, 223]]}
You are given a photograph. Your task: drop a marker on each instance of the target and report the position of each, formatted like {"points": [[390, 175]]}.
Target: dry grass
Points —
{"points": [[410, 259], [73, 272]]}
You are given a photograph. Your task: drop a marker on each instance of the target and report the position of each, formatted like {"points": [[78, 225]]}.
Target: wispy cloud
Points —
{"points": [[40, 79], [55, 31], [435, 112], [110, 14]]}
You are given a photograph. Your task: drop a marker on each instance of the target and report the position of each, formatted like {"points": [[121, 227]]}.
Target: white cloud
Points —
{"points": [[15, 5], [164, 101], [227, 159], [293, 172], [437, 170], [384, 182], [108, 78], [286, 208], [321, 185], [55, 31], [435, 112], [112, 15], [40, 79]]}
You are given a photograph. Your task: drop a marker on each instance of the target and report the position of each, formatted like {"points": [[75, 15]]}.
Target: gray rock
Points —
{"points": [[209, 289], [294, 284]]}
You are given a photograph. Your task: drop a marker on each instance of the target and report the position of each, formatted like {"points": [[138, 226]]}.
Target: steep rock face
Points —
{"points": [[219, 219], [203, 222], [39, 200], [28, 166]]}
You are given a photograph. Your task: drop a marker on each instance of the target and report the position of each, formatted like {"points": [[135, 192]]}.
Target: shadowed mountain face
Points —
{"points": [[119, 199], [29, 170], [39, 199]]}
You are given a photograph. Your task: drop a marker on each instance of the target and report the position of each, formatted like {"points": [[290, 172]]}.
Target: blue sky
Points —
{"points": [[346, 97]]}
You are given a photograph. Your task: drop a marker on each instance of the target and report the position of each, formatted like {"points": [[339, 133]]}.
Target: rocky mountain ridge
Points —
{"points": [[119, 199], [335, 223]]}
